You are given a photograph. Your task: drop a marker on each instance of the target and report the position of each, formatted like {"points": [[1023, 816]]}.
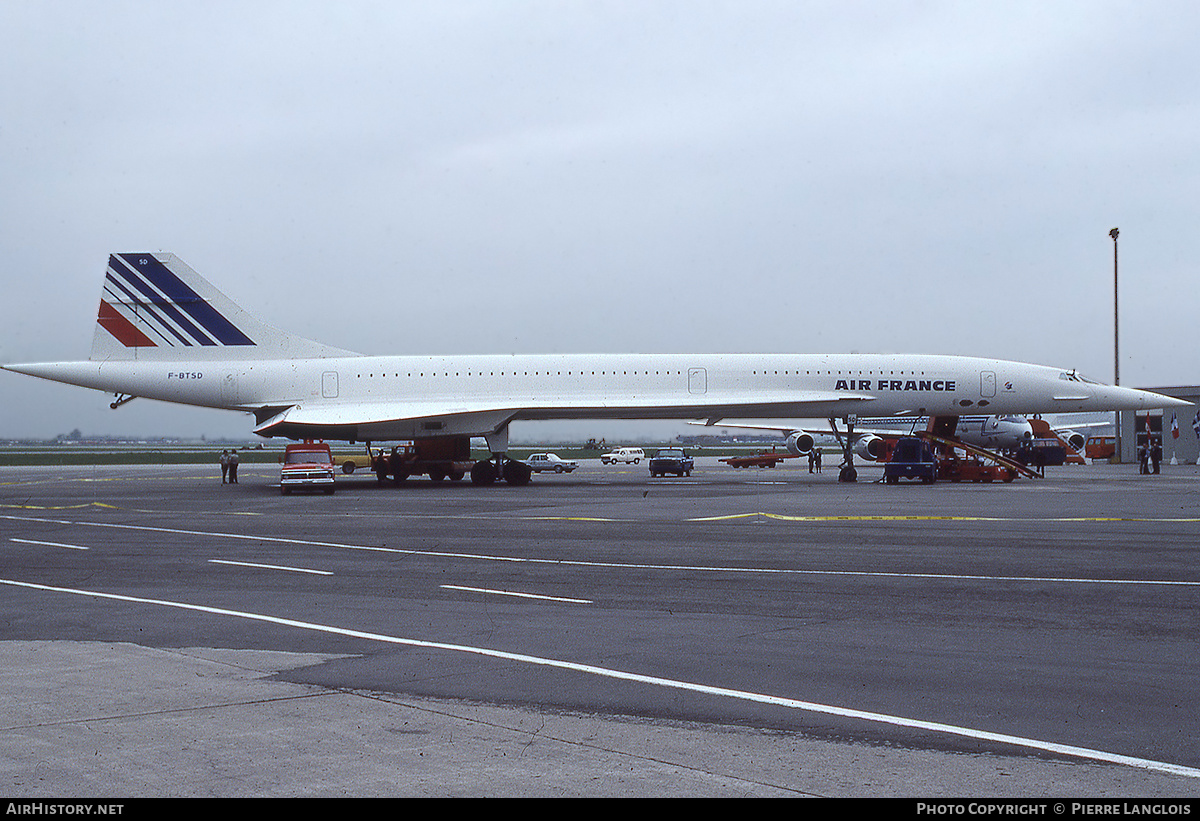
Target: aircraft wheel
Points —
{"points": [[483, 473], [848, 474], [517, 473]]}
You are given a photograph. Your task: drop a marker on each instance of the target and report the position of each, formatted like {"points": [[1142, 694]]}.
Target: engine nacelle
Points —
{"points": [[1073, 438], [800, 443], [870, 447]]}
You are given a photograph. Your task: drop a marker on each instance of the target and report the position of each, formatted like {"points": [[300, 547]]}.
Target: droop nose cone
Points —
{"points": [[1134, 399]]}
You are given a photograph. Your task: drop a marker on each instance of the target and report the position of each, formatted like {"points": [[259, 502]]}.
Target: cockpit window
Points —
{"points": [[1075, 376]]}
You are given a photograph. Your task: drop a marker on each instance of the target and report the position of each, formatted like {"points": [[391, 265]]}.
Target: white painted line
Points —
{"points": [[484, 557], [48, 544], [511, 593], [743, 695], [272, 567]]}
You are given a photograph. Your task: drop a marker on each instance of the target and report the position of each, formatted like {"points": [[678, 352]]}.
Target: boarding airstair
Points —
{"points": [[982, 453]]}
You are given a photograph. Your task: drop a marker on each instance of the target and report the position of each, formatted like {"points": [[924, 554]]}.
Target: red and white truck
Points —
{"points": [[306, 466]]}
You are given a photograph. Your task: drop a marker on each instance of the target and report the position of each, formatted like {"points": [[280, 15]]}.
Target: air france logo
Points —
{"points": [[944, 385]]}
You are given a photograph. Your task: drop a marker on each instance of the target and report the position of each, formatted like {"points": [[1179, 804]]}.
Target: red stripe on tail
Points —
{"points": [[122, 328]]}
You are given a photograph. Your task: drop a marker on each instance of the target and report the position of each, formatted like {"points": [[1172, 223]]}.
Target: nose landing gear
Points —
{"points": [[848, 472]]}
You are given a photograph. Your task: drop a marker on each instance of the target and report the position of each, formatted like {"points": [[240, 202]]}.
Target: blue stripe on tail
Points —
{"points": [[139, 269]]}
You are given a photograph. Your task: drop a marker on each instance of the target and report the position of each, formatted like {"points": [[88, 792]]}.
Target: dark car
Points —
{"points": [[1042, 452], [671, 460], [912, 458]]}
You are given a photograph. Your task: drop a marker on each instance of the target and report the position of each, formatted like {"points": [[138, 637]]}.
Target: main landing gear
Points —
{"points": [[490, 471]]}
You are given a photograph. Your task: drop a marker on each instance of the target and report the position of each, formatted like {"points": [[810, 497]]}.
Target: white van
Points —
{"points": [[625, 455]]}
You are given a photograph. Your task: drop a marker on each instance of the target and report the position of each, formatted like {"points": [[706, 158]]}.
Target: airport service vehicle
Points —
{"points": [[758, 460], [625, 455], [306, 466], [1042, 452], [955, 468], [541, 462], [671, 460], [164, 332], [437, 458], [912, 458], [1100, 447]]}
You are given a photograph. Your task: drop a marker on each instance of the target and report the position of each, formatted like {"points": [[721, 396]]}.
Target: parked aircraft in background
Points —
{"points": [[1075, 432], [1003, 433], [163, 332]]}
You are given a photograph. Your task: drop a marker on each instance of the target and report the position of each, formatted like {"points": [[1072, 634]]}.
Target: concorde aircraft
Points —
{"points": [[163, 332]]}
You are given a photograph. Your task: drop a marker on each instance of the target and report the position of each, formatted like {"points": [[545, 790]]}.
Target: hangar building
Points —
{"points": [[1135, 427]]}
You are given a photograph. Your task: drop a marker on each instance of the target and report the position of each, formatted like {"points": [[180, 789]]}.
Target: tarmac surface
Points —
{"points": [[602, 633]]}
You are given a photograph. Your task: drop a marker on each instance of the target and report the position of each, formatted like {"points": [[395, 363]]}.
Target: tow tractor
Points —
{"points": [[442, 458], [911, 457]]}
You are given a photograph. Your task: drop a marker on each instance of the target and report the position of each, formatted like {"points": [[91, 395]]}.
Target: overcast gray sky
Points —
{"points": [[493, 177]]}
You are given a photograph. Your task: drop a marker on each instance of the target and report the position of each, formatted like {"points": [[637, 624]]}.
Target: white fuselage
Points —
{"points": [[479, 394]]}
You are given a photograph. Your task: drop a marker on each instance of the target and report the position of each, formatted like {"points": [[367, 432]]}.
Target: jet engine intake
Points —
{"points": [[870, 447], [1073, 438], [800, 443]]}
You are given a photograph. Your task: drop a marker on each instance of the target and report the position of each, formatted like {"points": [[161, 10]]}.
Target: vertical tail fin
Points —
{"points": [[154, 306]]}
